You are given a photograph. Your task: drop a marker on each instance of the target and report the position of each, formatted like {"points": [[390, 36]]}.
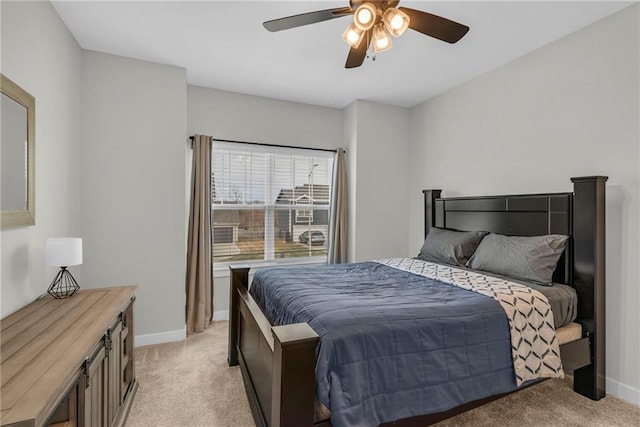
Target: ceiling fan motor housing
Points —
{"points": [[380, 4]]}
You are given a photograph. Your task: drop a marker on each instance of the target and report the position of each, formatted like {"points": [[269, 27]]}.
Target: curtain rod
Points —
{"points": [[269, 145]]}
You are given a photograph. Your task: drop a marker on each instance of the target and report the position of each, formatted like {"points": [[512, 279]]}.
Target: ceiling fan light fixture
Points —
{"points": [[395, 21], [381, 39], [375, 22], [365, 16], [353, 36]]}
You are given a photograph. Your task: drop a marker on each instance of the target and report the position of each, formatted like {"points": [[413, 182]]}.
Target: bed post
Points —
{"points": [[430, 197], [293, 389], [239, 280], [589, 279]]}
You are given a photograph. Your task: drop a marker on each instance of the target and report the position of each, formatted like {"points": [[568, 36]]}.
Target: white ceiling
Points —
{"points": [[223, 45]]}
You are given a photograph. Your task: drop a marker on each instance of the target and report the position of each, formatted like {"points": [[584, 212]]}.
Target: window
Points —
{"points": [[269, 203]]}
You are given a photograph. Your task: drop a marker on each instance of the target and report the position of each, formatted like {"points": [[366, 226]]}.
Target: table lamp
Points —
{"points": [[64, 252]]}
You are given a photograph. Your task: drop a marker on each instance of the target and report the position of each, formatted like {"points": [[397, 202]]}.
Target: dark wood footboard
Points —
{"points": [[277, 362]]}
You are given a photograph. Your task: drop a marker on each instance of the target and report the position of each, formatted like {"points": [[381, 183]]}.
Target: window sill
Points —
{"points": [[222, 270]]}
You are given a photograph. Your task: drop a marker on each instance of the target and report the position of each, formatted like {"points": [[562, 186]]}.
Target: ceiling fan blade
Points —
{"points": [[435, 26], [306, 19], [356, 56]]}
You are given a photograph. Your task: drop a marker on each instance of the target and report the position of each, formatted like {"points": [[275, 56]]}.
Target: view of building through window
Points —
{"points": [[269, 203]]}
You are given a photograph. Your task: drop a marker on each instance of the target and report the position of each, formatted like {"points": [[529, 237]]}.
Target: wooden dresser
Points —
{"points": [[69, 362]]}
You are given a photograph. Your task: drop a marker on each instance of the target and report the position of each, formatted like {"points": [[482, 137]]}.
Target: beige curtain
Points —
{"points": [[199, 280], [337, 253]]}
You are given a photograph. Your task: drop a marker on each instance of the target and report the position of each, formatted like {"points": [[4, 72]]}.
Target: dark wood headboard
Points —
{"points": [[514, 215], [580, 215]]}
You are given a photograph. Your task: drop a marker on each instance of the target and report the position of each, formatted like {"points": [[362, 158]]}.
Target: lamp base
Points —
{"points": [[63, 285]]}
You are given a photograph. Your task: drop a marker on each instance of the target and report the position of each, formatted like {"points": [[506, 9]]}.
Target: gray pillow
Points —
{"points": [[530, 258], [450, 247]]}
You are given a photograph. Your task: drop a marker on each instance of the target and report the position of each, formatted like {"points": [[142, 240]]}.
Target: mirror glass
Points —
{"points": [[13, 154], [17, 155]]}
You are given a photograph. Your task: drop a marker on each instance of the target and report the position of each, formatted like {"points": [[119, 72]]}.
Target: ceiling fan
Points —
{"points": [[375, 21]]}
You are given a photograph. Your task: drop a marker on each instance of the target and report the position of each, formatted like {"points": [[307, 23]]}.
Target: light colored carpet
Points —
{"points": [[189, 384]]}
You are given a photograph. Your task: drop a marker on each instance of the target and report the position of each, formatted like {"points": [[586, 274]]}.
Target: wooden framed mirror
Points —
{"points": [[17, 156]]}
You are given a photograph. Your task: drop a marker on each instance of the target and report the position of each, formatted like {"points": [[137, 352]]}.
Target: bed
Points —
{"points": [[279, 363]]}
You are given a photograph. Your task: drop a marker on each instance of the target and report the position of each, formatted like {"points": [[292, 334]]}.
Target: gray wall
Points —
{"points": [[133, 184], [568, 109], [229, 115], [377, 136], [42, 57]]}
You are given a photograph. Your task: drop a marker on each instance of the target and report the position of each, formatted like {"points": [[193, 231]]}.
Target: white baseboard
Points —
{"points": [[221, 315], [171, 336], [623, 391], [161, 337]]}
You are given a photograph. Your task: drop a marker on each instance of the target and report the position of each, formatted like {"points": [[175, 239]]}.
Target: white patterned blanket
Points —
{"points": [[534, 346]]}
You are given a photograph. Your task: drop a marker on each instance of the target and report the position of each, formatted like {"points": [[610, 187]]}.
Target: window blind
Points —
{"points": [[269, 203]]}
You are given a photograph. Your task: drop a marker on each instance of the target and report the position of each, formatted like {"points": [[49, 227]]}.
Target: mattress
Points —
{"points": [[568, 333]]}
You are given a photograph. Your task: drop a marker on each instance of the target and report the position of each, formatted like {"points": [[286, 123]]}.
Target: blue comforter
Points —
{"points": [[392, 344]]}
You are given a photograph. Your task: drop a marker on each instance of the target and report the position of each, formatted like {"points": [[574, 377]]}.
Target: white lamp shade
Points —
{"points": [[365, 16], [64, 251], [395, 21], [381, 39], [353, 36]]}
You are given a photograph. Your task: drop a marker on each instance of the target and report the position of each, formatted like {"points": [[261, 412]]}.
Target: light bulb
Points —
{"points": [[395, 21], [365, 16], [381, 39], [353, 36]]}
